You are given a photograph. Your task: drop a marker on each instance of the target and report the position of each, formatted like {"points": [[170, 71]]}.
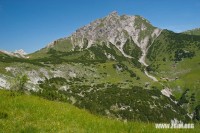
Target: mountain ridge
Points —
{"points": [[195, 31], [17, 53]]}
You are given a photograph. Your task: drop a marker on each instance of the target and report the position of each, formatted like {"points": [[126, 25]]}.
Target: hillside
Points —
{"points": [[174, 59], [193, 32], [122, 97], [26, 113]]}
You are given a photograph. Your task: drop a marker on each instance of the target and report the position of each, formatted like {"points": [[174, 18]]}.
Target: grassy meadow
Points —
{"points": [[23, 113]]}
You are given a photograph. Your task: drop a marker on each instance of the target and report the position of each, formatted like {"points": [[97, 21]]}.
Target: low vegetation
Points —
{"points": [[110, 100]]}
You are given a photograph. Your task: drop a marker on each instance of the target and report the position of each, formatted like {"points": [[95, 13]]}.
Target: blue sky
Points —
{"points": [[32, 24]]}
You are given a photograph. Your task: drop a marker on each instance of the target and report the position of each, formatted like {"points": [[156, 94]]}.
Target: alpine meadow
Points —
{"points": [[116, 74]]}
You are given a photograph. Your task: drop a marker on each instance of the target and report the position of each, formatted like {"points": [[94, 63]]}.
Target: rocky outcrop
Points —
{"points": [[167, 92], [4, 83]]}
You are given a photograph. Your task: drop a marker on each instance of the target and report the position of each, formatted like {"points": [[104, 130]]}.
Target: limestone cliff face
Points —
{"points": [[117, 30]]}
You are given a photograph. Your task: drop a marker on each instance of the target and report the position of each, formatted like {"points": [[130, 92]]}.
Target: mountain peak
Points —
{"points": [[117, 30], [20, 52]]}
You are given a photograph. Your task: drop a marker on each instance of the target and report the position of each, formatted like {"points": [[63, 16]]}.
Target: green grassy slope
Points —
{"points": [[171, 53], [30, 114], [62, 45]]}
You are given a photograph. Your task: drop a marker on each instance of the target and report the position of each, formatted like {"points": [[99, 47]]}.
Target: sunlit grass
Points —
{"points": [[26, 113]]}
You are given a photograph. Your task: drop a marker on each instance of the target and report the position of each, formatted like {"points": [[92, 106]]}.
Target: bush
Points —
{"points": [[180, 54], [19, 83]]}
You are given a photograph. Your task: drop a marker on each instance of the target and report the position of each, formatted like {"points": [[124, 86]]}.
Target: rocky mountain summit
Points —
{"points": [[116, 30]]}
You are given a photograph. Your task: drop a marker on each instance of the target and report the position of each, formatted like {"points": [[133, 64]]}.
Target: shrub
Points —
{"points": [[19, 83]]}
